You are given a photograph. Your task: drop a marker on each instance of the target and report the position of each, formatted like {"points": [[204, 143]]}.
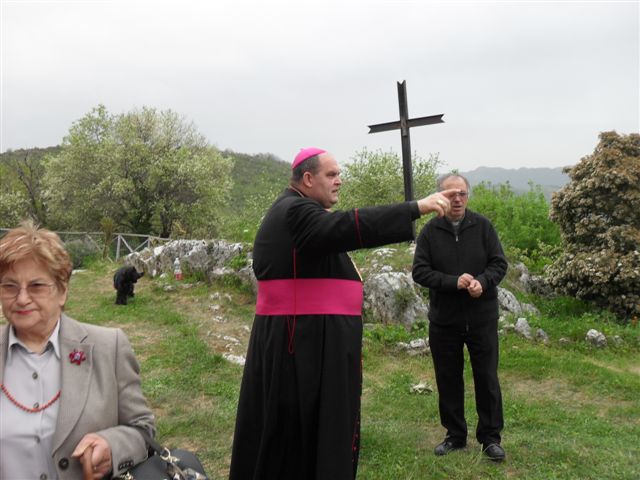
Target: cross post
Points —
{"points": [[404, 124]]}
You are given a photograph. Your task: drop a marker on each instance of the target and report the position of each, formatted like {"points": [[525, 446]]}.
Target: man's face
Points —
{"points": [[325, 184], [459, 202]]}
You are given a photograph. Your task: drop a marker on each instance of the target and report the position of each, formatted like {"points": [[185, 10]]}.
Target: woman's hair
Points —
{"points": [[39, 244]]}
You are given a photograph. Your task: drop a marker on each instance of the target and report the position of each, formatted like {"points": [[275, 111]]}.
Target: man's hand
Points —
{"points": [[464, 281], [474, 288], [94, 453], [436, 202]]}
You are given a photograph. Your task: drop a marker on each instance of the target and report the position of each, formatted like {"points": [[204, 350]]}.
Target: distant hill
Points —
{"points": [[23, 153], [550, 179], [256, 173], [253, 174]]}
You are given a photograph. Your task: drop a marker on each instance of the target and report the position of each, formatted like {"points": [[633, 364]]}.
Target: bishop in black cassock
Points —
{"points": [[299, 407]]}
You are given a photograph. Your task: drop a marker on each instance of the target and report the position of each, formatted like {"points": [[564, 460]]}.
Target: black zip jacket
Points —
{"points": [[442, 256]]}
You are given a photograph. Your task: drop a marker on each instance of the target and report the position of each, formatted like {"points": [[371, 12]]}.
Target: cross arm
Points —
{"points": [[413, 122]]}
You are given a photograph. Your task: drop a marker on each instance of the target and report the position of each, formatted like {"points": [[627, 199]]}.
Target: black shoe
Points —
{"points": [[447, 446], [494, 452]]}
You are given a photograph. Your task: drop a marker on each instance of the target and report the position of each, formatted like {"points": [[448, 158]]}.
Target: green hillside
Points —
{"points": [[255, 175]]}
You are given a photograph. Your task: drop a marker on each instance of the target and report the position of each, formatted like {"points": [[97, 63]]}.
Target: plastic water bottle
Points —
{"points": [[177, 271]]}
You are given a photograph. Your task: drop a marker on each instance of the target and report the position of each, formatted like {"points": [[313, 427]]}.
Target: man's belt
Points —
{"points": [[309, 296]]}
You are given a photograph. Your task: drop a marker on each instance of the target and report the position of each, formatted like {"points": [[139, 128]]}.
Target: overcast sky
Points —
{"points": [[521, 84]]}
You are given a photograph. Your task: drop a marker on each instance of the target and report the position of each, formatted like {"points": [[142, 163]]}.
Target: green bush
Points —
{"points": [[80, 251], [376, 178], [522, 222], [598, 212]]}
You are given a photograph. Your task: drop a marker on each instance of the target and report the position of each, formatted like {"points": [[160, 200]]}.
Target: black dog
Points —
{"points": [[123, 281]]}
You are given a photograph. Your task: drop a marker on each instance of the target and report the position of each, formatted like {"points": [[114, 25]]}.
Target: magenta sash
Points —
{"points": [[309, 296]]}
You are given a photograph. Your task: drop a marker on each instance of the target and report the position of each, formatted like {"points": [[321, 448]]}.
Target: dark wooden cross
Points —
{"points": [[404, 124]]}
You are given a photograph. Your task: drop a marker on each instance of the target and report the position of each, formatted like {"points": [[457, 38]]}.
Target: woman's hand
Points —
{"points": [[94, 453]]}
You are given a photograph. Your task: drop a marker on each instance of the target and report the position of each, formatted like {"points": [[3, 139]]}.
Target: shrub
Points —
{"points": [[376, 178], [522, 222], [80, 251], [598, 213]]}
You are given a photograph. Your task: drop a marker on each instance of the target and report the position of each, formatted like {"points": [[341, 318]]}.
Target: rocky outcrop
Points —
{"points": [[195, 257], [510, 304], [529, 283], [391, 297], [596, 338]]}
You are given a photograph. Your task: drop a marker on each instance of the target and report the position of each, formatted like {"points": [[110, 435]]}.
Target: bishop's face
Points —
{"points": [[325, 183]]}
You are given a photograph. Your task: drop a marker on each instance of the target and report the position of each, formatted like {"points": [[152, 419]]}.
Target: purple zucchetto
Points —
{"points": [[304, 154]]}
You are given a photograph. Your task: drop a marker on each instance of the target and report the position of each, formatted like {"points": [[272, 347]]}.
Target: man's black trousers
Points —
{"points": [[447, 345]]}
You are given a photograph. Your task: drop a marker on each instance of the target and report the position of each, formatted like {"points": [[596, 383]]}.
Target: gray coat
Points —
{"points": [[101, 395]]}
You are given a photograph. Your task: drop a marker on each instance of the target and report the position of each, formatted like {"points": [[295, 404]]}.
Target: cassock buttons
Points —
{"points": [[63, 463], [43, 476], [34, 375], [36, 405]]}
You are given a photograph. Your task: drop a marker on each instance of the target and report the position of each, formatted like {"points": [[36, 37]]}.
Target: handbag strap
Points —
{"points": [[159, 449]]}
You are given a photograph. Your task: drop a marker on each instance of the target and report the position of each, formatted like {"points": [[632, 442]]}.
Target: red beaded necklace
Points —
{"points": [[24, 407]]}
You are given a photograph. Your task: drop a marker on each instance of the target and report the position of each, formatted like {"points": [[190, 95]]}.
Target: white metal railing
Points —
{"points": [[97, 239]]}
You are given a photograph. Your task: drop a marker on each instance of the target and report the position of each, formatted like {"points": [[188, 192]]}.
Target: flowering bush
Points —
{"points": [[598, 213]]}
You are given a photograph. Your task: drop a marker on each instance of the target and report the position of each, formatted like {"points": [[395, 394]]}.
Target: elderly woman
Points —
{"points": [[71, 402]]}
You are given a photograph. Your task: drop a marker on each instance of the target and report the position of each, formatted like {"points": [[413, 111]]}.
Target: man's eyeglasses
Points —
{"points": [[34, 290], [461, 194]]}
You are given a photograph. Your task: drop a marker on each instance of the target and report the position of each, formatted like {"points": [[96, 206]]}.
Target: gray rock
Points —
{"points": [[237, 359], [538, 285], [418, 346], [510, 304], [617, 340], [206, 257], [522, 327], [194, 256], [596, 338], [247, 276], [523, 275], [421, 388], [391, 297], [384, 252], [542, 337]]}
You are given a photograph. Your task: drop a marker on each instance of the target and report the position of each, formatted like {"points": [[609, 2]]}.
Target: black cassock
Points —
{"points": [[299, 407]]}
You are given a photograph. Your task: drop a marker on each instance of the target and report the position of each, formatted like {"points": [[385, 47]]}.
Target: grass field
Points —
{"points": [[571, 411]]}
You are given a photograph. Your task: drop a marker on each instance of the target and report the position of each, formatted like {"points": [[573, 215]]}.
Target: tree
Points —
{"points": [[148, 170], [376, 178], [21, 173], [598, 212], [12, 206]]}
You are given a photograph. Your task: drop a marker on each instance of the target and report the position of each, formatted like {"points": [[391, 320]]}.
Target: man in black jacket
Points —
{"points": [[460, 259]]}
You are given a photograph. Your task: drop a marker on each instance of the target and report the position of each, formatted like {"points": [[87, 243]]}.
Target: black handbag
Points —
{"points": [[165, 464]]}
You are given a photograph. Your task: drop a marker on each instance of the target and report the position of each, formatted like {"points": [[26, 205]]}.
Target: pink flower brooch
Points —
{"points": [[77, 356]]}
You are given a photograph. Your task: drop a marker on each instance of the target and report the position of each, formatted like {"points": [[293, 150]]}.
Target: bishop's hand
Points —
{"points": [[436, 202]]}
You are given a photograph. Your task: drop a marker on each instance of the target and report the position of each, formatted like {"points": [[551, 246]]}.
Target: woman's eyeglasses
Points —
{"points": [[34, 290]]}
